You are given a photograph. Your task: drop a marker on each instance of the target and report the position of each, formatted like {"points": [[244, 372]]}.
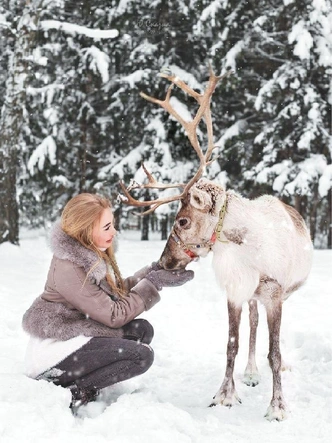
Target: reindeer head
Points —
{"points": [[193, 233]]}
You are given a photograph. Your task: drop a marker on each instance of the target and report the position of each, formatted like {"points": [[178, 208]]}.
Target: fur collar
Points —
{"points": [[67, 248]]}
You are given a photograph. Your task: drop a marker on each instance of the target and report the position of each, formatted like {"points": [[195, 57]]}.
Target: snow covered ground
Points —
{"points": [[170, 402]]}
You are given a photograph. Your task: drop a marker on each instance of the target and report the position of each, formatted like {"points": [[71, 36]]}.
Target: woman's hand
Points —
{"points": [[162, 278]]}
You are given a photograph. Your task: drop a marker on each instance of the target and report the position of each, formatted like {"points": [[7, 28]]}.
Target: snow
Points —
{"points": [[141, 51], [181, 109], [73, 29], [134, 77], [325, 181], [61, 179], [302, 39], [155, 125], [131, 160], [187, 77], [231, 132], [3, 21], [265, 91], [311, 168], [210, 13], [99, 61], [230, 58], [170, 401], [320, 5], [46, 148]]}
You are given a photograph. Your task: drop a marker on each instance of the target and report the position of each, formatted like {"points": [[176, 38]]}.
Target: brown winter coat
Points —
{"points": [[73, 304]]}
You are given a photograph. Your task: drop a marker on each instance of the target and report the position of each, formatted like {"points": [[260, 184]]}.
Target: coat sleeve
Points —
{"points": [[90, 299]]}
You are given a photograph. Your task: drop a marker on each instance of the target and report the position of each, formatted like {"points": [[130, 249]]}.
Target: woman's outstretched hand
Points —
{"points": [[162, 278], [155, 266]]}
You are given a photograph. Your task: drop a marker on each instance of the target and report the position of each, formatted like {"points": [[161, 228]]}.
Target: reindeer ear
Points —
{"points": [[200, 199], [207, 196]]}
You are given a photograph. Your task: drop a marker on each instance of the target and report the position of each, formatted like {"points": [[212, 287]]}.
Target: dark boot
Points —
{"points": [[81, 397]]}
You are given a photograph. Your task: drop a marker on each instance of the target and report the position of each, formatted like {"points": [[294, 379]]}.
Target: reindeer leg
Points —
{"points": [[251, 374], [277, 408], [227, 394]]}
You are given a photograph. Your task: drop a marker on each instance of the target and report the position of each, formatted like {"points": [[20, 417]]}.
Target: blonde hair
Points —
{"points": [[78, 219]]}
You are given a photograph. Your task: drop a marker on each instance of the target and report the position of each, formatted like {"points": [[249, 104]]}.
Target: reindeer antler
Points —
{"points": [[190, 128], [153, 184]]}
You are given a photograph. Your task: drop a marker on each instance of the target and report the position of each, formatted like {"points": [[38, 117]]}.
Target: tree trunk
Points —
{"points": [[117, 218], [329, 219], [145, 228], [9, 218], [11, 122], [145, 220], [163, 226], [313, 213], [82, 158]]}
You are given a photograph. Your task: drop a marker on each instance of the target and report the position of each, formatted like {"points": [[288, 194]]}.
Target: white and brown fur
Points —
{"points": [[264, 253]]}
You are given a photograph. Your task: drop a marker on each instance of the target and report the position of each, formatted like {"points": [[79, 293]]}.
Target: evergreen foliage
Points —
{"points": [[79, 123]]}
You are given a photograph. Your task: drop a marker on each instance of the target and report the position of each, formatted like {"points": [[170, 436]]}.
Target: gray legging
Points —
{"points": [[104, 361]]}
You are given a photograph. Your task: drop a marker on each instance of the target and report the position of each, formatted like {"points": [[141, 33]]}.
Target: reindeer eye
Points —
{"points": [[183, 222]]}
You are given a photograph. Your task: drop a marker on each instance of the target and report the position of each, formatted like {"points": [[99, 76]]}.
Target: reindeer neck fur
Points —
{"points": [[260, 238]]}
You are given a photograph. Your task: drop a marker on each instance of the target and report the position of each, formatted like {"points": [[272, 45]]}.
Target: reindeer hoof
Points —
{"points": [[251, 379], [225, 400], [277, 413]]}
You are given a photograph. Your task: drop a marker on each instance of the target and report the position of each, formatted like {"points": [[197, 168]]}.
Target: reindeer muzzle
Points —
{"points": [[187, 247]]}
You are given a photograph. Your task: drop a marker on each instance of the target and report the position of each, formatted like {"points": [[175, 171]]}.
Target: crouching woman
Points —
{"points": [[83, 331]]}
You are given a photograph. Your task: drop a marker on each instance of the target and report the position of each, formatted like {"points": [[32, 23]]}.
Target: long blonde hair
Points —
{"points": [[78, 219]]}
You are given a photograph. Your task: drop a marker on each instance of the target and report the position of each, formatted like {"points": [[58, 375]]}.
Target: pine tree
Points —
{"points": [[293, 147], [13, 122], [274, 111], [84, 125], [67, 100]]}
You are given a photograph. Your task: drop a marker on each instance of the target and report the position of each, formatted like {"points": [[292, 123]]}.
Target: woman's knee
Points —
{"points": [[148, 331], [139, 330], [147, 357]]}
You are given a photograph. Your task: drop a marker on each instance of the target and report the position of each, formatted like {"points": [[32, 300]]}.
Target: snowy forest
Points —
{"points": [[72, 119]]}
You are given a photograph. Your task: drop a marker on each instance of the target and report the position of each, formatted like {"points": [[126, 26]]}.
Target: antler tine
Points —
{"points": [[166, 105], [131, 201], [214, 79], [152, 184], [191, 126], [203, 111], [181, 84]]}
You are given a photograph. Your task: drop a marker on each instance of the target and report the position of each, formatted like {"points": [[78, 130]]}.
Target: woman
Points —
{"points": [[83, 335]]}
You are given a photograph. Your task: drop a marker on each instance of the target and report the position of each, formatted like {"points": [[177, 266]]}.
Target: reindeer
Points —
{"points": [[261, 248]]}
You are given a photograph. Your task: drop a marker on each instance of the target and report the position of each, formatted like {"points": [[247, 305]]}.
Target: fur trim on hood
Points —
{"points": [[67, 248]]}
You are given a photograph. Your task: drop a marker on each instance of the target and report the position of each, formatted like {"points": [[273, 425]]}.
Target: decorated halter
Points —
{"points": [[187, 247]]}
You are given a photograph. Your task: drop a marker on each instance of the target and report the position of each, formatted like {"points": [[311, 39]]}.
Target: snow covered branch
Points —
{"points": [[72, 29]]}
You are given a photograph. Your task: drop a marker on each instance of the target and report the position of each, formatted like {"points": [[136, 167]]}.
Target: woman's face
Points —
{"points": [[103, 230]]}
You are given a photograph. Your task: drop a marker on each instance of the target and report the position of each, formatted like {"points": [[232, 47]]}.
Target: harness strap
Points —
{"points": [[221, 221], [183, 246]]}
